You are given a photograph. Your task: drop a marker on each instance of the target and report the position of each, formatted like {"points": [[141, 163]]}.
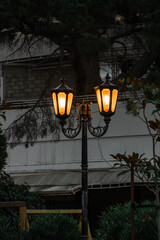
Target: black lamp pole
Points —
{"points": [[84, 121], [84, 180], [62, 101]]}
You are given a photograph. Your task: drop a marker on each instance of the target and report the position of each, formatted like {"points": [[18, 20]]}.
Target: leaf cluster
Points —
{"points": [[9, 191], [10, 229], [54, 226], [36, 122], [115, 221], [57, 227], [82, 27], [147, 170], [142, 95], [58, 19], [134, 159]]}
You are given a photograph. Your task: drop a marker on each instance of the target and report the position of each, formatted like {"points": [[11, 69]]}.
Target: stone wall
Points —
{"points": [[22, 83]]}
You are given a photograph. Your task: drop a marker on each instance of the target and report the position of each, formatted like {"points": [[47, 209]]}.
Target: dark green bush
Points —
{"points": [[9, 229], [115, 223], [53, 227], [9, 191], [50, 227]]}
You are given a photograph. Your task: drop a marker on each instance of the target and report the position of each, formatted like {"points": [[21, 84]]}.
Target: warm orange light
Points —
{"points": [[98, 94], [61, 102], [69, 104], [55, 103], [107, 94], [114, 99], [106, 99]]}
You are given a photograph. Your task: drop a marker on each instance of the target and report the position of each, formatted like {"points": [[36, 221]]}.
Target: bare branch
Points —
{"points": [[36, 122]]}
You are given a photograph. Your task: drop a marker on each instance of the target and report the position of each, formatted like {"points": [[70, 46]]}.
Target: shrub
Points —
{"points": [[50, 227], [55, 226], [9, 191], [115, 223], [9, 229]]}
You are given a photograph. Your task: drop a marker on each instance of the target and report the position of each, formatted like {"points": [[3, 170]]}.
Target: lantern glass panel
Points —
{"points": [[62, 103], [106, 99], [55, 103], [98, 94], [114, 99], [69, 104]]}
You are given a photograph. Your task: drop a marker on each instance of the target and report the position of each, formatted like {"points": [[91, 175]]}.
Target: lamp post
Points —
{"points": [[62, 100]]}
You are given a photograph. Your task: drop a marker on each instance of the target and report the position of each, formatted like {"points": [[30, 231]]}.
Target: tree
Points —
{"points": [[87, 28], [123, 34], [144, 103], [9, 191]]}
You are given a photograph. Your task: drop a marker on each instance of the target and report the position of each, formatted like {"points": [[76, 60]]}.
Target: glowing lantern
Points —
{"points": [[62, 100], [107, 94]]}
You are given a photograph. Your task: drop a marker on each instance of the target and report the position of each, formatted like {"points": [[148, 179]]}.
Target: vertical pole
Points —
{"points": [[23, 217], [132, 201], [84, 181]]}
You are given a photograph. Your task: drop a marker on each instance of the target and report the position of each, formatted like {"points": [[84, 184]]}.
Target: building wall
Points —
{"points": [[22, 82], [125, 134]]}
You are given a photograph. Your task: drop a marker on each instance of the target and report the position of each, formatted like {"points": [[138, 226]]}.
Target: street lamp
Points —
{"points": [[62, 101]]}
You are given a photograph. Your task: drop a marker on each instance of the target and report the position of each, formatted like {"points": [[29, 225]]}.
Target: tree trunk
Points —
{"points": [[87, 71]]}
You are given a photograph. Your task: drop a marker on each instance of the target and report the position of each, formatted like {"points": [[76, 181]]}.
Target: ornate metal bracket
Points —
{"points": [[70, 132], [98, 131], [84, 114]]}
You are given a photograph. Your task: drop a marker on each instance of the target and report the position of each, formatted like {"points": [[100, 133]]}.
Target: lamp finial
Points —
{"points": [[107, 77]]}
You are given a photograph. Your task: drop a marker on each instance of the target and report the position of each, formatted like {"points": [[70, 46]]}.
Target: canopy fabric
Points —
{"points": [[69, 182]]}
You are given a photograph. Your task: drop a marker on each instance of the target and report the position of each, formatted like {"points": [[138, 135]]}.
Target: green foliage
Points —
{"points": [[9, 191], [9, 229], [81, 18], [55, 226], [85, 27], [145, 169], [143, 96], [154, 74], [50, 227], [115, 221], [3, 151], [144, 103]]}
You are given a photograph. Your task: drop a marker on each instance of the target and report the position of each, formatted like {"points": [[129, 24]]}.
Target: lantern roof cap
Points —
{"points": [[107, 83], [63, 87]]}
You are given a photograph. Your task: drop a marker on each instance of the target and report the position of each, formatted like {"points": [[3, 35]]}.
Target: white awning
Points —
{"points": [[69, 182]]}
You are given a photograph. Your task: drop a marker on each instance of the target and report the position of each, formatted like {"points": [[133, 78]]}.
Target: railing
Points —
{"points": [[24, 212]]}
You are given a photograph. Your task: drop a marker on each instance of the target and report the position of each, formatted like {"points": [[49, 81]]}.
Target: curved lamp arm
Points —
{"points": [[70, 132], [99, 131]]}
